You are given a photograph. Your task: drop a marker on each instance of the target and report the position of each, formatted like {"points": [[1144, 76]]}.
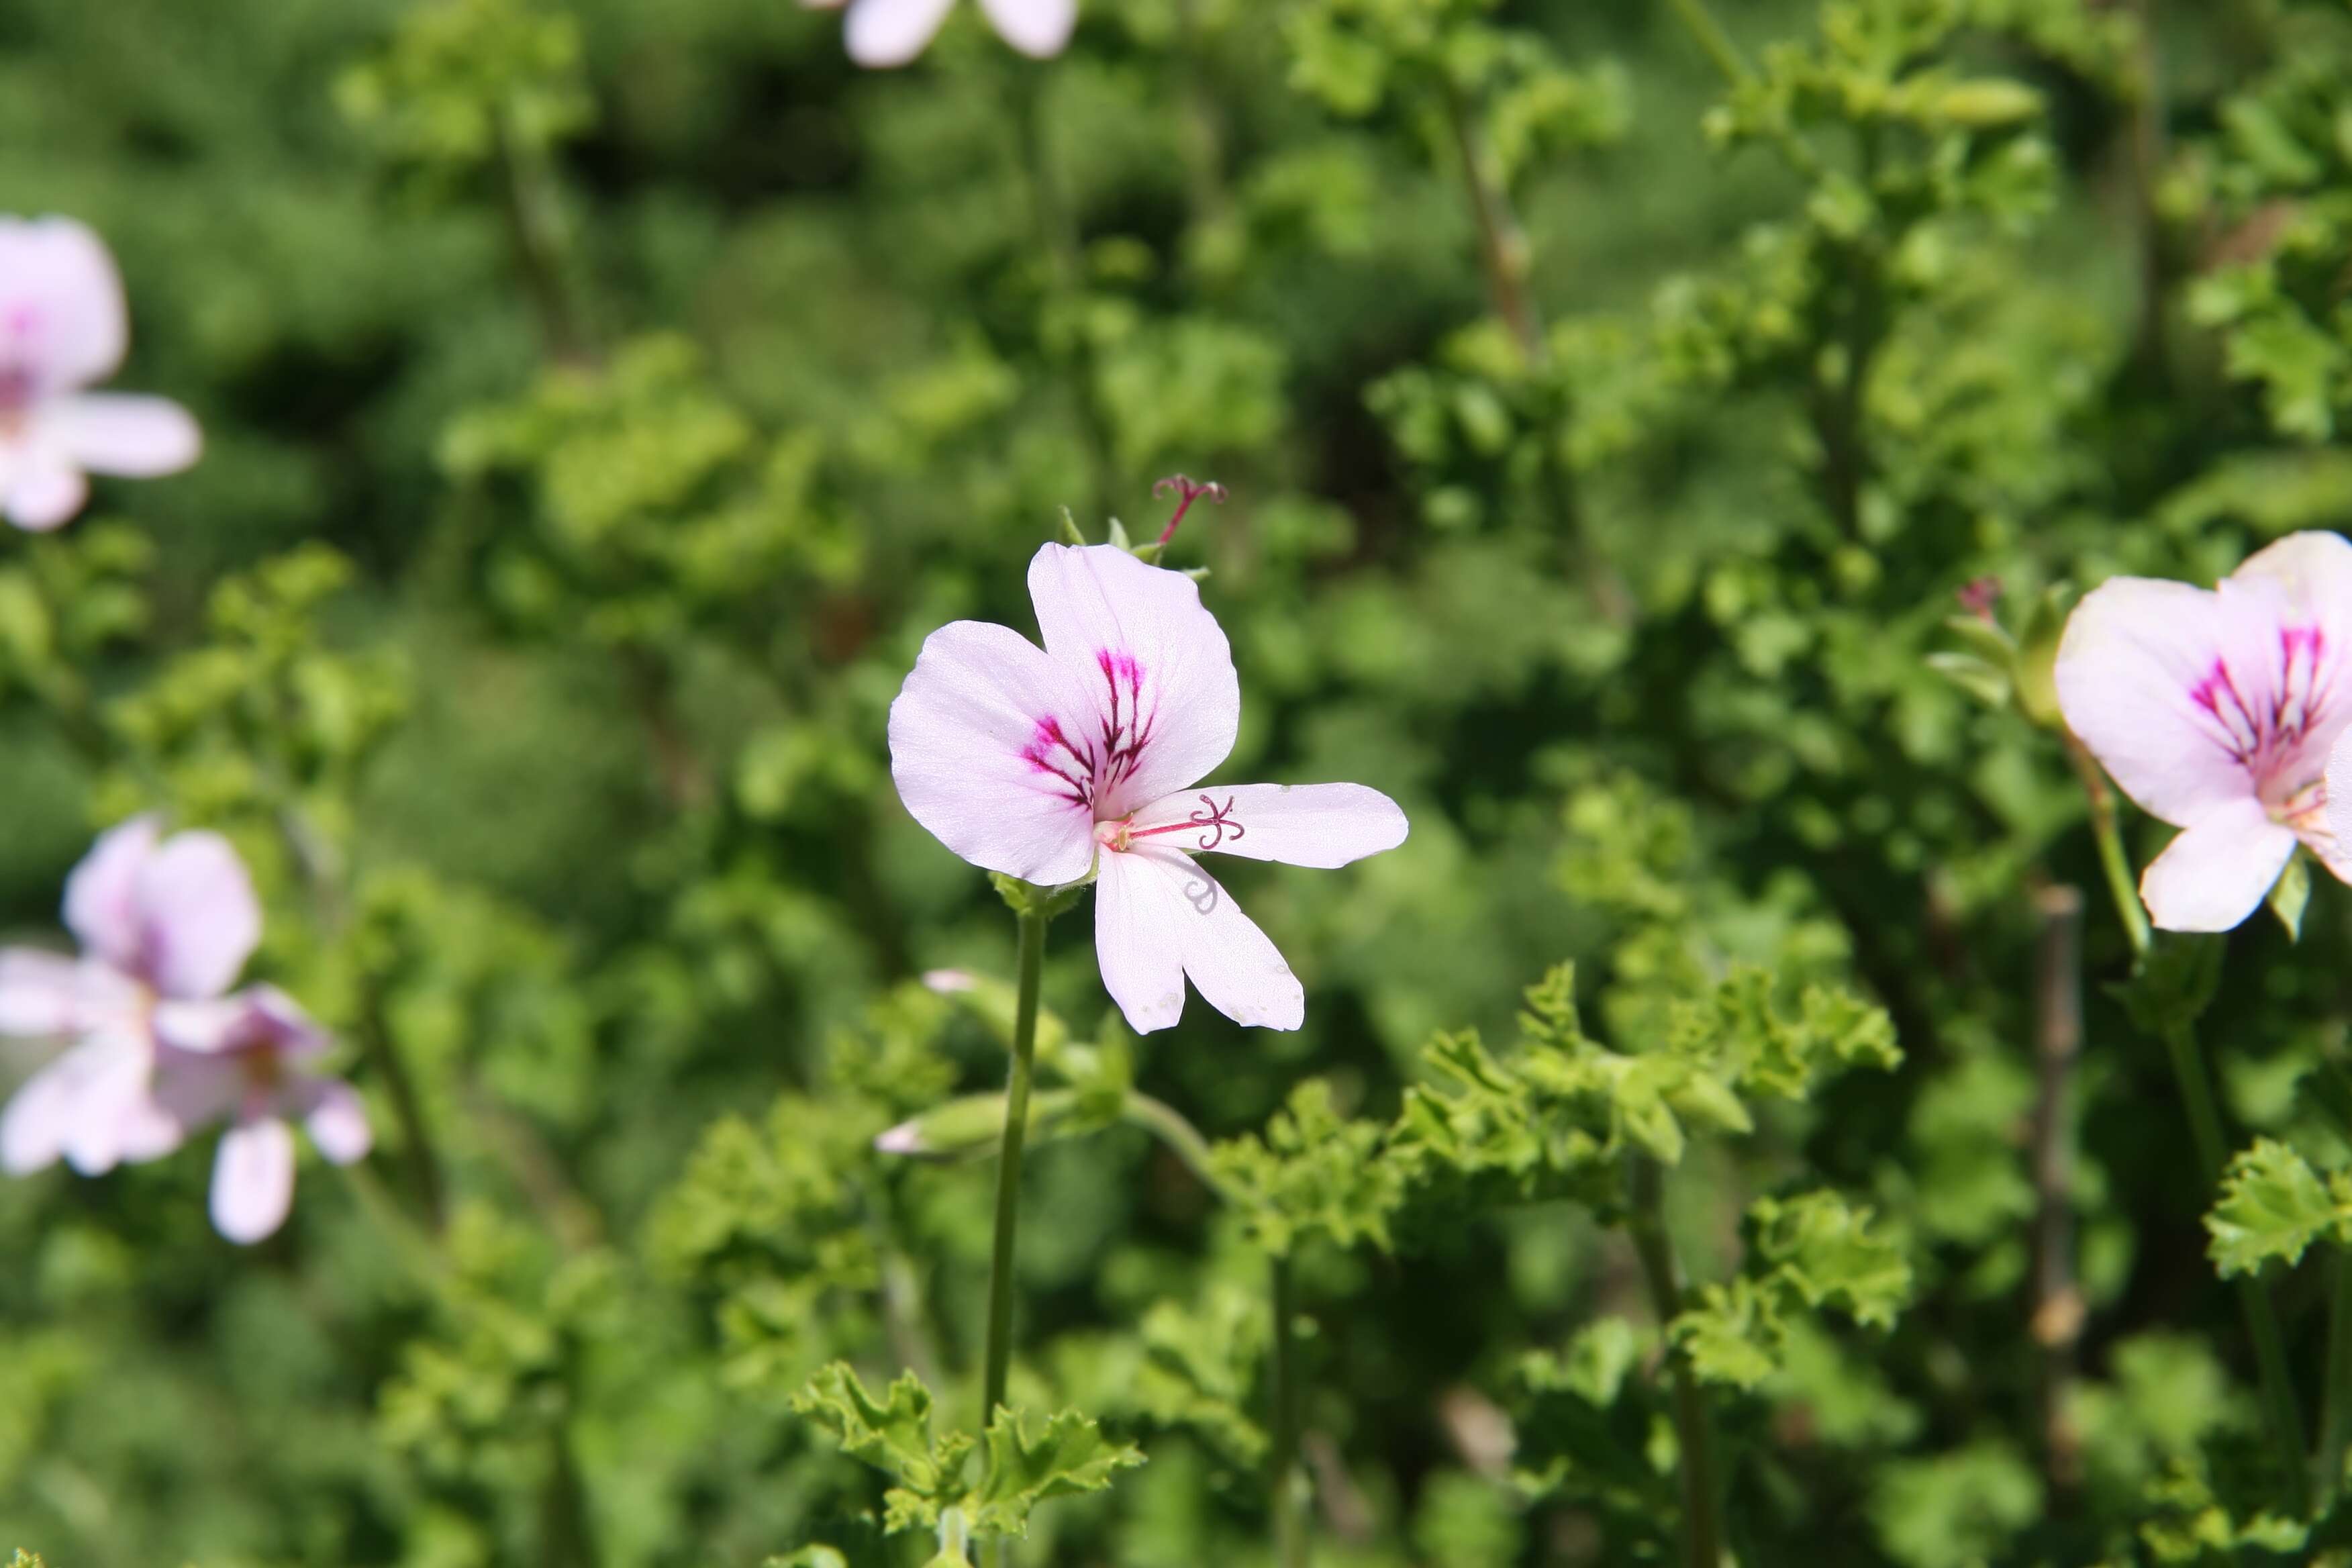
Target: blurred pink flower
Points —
{"points": [[2216, 710], [883, 33], [239, 1059], [62, 327], [157, 919], [1044, 765]]}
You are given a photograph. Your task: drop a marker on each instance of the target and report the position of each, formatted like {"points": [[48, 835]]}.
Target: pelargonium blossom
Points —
{"points": [[240, 1059], [885, 33], [159, 920], [157, 1046], [2216, 710], [1087, 755], [63, 326]]}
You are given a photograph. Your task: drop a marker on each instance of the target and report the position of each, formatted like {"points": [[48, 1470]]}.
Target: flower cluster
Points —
{"points": [[160, 1048]]}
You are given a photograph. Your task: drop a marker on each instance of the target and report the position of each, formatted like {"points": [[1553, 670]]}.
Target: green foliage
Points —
{"points": [[1807, 1253], [1016, 1471], [602, 402], [2274, 1205], [1314, 1173]]}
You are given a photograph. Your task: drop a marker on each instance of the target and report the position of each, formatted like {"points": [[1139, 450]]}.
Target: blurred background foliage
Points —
{"points": [[602, 400]]}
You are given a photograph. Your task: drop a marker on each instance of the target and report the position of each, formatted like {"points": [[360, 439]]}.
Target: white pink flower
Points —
{"points": [[240, 1059], [2216, 710], [63, 326], [883, 33], [157, 1048], [1086, 755]]}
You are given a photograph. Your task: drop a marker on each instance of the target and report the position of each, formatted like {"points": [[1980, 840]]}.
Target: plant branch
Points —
{"points": [[1702, 1486], [1287, 1485], [2057, 1321]]}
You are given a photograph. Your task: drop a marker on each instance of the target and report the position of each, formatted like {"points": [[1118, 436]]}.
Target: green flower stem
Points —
{"points": [[1286, 1486], [1184, 1139], [2116, 865], [421, 1153], [1058, 237], [2280, 1410], [1716, 45], [1702, 1485], [1008, 1167], [2335, 1410]]}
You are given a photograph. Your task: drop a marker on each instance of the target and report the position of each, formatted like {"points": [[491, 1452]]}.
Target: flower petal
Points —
{"points": [[259, 1017], [48, 994], [1300, 825], [1157, 910], [196, 1088], [1038, 28], [1140, 941], [2219, 870], [886, 33], [118, 433], [114, 1116], [44, 493], [199, 919], [102, 892], [39, 1117], [978, 753], [331, 1113], [2136, 653], [2308, 644], [253, 1180], [62, 319], [1150, 658]]}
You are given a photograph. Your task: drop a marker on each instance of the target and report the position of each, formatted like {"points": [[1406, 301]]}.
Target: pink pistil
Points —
{"points": [[1186, 491]]}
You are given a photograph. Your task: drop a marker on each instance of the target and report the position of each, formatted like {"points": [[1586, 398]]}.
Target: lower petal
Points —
{"points": [[115, 1117], [120, 433], [45, 494], [2218, 871], [885, 33], [1166, 911], [34, 1128], [253, 1180], [335, 1120], [1139, 941], [1038, 28]]}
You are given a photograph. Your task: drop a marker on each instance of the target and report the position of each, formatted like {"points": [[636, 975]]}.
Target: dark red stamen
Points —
{"points": [[1186, 491], [1216, 820]]}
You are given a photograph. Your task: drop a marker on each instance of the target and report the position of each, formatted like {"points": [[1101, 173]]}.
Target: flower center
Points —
{"points": [[2265, 736], [1089, 768]]}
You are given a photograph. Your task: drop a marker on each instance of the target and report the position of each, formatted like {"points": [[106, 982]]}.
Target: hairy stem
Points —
{"points": [[1008, 1167], [1503, 250], [2280, 1410], [1058, 237], [1702, 1487], [2057, 1321], [1184, 1139], [1286, 1486], [2336, 1408], [527, 198], [2148, 156], [2113, 861], [423, 1157]]}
